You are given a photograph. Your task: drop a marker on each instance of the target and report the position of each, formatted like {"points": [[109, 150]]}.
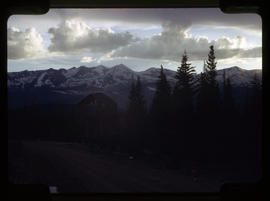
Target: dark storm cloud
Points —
{"points": [[206, 16], [251, 53]]}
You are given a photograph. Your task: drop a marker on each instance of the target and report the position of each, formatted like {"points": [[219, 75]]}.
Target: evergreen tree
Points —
{"points": [[208, 110], [251, 140], [136, 105], [203, 92], [183, 90], [214, 97], [139, 97], [211, 64], [160, 111], [255, 106], [228, 101], [201, 120], [183, 109], [208, 97], [252, 112], [136, 115], [229, 116], [161, 99], [256, 97], [132, 98]]}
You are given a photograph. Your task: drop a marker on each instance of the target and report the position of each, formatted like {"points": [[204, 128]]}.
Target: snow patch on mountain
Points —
{"points": [[39, 82], [17, 80], [49, 83]]}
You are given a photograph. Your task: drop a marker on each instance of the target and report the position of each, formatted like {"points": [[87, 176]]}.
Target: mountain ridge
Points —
{"points": [[58, 84]]}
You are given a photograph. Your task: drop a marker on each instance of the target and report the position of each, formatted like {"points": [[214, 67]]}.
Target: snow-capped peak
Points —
{"points": [[120, 72], [120, 68]]}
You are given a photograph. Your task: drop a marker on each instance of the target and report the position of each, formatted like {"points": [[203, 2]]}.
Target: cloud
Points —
{"points": [[25, 44], [87, 60], [173, 40], [255, 52], [140, 17], [74, 36]]}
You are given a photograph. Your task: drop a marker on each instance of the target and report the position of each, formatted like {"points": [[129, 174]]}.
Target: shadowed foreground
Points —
{"points": [[73, 168]]}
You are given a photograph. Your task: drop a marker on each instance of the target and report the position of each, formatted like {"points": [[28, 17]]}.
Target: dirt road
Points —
{"points": [[72, 168]]}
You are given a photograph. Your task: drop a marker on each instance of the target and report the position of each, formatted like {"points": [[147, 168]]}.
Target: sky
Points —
{"points": [[138, 38]]}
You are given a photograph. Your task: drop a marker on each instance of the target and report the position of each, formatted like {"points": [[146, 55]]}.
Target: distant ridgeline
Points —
{"points": [[73, 85]]}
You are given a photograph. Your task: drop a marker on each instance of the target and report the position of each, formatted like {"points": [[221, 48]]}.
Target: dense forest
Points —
{"points": [[190, 122]]}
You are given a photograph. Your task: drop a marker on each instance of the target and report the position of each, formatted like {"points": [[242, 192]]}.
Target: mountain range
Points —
{"points": [[70, 86]]}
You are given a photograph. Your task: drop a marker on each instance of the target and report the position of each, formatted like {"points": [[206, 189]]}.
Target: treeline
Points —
{"points": [[192, 122], [189, 122]]}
